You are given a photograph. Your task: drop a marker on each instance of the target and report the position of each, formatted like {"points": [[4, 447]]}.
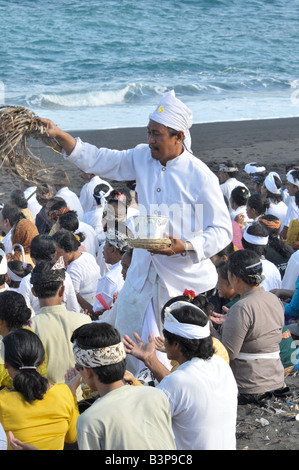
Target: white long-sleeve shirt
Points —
{"points": [[188, 192]]}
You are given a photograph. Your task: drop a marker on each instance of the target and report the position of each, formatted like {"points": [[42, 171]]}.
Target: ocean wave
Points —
{"points": [[135, 93]]}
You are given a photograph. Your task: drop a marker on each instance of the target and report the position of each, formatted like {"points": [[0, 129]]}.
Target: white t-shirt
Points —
{"points": [[94, 219], [69, 298], [33, 205], [85, 274], [292, 213], [90, 243], [279, 210], [227, 188], [203, 401], [272, 275], [72, 200], [291, 272], [87, 199]]}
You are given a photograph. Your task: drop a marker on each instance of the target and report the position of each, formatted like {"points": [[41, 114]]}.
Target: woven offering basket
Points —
{"points": [[149, 244], [17, 126]]}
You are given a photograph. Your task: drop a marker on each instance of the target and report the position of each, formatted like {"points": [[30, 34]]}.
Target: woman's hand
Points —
{"points": [[72, 379]]}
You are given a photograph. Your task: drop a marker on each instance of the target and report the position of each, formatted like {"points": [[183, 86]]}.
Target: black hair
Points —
{"points": [[295, 174], [259, 230], [231, 163], [275, 241], [12, 213], [24, 348], [69, 221], [18, 198], [246, 265], [18, 268], [43, 280], [226, 251], [13, 309], [96, 192], [56, 203], [124, 190], [43, 247], [297, 198], [258, 202], [68, 241], [222, 270], [240, 195], [202, 348], [101, 335]]}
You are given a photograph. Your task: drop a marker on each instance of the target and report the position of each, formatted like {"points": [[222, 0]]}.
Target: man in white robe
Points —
{"points": [[170, 181]]}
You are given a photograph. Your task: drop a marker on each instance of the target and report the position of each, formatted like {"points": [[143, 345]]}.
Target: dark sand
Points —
{"points": [[273, 143]]}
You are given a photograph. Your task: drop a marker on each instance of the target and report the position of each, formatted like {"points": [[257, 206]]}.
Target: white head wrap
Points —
{"points": [[253, 167], [227, 169], [254, 239], [117, 239], [185, 330], [172, 112], [103, 196], [13, 276], [270, 183], [3, 262], [291, 179], [98, 357]]}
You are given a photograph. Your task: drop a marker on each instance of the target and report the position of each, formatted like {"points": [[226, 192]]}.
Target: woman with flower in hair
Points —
{"points": [[201, 388], [252, 330]]}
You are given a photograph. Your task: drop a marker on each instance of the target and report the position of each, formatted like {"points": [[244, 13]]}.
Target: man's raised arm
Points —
{"points": [[65, 140]]}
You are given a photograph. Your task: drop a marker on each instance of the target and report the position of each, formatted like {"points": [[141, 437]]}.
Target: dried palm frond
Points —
{"points": [[17, 125]]}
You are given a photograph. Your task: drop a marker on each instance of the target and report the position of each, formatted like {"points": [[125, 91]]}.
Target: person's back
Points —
{"points": [[202, 405], [128, 418], [55, 325]]}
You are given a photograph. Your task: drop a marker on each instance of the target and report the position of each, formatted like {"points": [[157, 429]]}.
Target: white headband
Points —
{"points": [[13, 276], [103, 196], [185, 330], [98, 357], [270, 183], [291, 179], [172, 112], [254, 239]]}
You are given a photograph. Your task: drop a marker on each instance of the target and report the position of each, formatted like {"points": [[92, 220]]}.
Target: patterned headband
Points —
{"points": [[98, 357]]}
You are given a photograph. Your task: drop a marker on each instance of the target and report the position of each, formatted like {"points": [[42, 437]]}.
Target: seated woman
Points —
{"points": [[18, 198], [95, 216], [278, 252], [14, 314], [146, 352], [81, 266], [252, 330], [22, 234], [256, 206], [16, 271], [293, 230], [238, 200], [35, 411], [272, 190], [256, 238]]}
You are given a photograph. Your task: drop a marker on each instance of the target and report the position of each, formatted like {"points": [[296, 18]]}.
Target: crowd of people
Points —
{"points": [[96, 333]]}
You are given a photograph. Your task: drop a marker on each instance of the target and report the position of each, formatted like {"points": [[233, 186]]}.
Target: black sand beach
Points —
{"points": [[271, 142]]}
